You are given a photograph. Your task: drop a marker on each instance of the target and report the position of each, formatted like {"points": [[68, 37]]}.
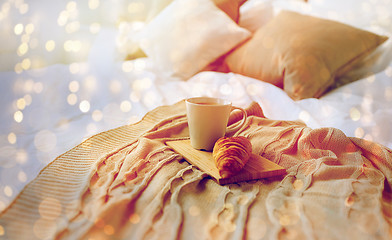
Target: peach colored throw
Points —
{"points": [[127, 184]]}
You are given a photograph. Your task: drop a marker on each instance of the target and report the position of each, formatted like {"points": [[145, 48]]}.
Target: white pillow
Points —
{"points": [[188, 35]]}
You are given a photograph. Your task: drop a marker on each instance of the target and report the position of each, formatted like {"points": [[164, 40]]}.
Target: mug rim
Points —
{"points": [[198, 100]]}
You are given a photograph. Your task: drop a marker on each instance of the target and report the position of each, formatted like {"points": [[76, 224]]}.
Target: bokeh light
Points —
{"points": [[194, 211], [72, 99], [126, 106], [8, 191], [73, 86], [134, 218], [18, 29], [84, 106], [88, 95], [50, 208], [355, 114], [12, 138], [50, 45], [97, 115], [18, 116]]}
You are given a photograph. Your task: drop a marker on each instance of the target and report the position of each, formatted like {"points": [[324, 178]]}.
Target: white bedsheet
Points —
{"points": [[47, 111]]}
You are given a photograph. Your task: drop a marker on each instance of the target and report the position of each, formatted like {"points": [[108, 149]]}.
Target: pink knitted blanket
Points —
{"points": [[127, 184]]}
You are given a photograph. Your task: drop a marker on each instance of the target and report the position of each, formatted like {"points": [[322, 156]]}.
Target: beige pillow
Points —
{"points": [[302, 54]]}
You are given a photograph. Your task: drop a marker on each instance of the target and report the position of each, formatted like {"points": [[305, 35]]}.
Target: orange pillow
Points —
{"points": [[230, 7], [302, 54]]}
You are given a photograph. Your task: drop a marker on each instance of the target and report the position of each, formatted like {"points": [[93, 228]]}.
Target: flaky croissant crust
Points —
{"points": [[231, 154]]}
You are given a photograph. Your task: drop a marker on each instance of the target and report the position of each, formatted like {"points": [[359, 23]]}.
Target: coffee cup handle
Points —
{"points": [[238, 126]]}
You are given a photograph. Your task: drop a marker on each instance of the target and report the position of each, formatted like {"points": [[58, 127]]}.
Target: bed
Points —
{"points": [[89, 98]]}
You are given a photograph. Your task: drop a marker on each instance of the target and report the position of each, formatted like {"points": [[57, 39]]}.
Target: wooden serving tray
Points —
{"points": [[257, 166]]}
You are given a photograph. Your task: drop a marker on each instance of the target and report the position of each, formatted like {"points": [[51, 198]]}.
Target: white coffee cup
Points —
{"points": [[207, 120]]}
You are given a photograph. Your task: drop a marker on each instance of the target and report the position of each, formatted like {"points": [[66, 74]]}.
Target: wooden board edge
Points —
{"points": [[258, 176]]}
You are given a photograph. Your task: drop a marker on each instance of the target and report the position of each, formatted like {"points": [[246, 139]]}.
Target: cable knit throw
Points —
{"points": [[127, 184]]}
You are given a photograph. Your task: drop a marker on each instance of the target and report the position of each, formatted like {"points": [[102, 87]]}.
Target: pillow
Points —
{"points": [[230, 7], [256, 13], [302, 54], [188, 35]]}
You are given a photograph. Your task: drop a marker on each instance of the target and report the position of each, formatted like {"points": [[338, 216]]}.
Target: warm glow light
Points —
{"points": [[8, 191], [125, 106], [5, 8], [72, 99], [21, 103], [74, 68], [108, 230], [63, 18], [134, 96], [38, 87], [22, 49], [137, 85], [50, 45], [194, 211], [150, 99], [28, 85], [93, 4], [97, 115], [73, 86], [71, 6], [12, 138], [252, 89], [135, 7], [359, 132], [84, 106], [21, 156], [127, 66], [41, 226], [304, 116], [18, 68], [72, 46], [134, 218], [298, 184], [26, 63], [225, 89], [139, 64], [2, 232], [115, 86], [28, 99], [72, 27], [18, 116], [90, 82], [50, 208], [355, 114], [22, 177], [18, 29], [29, 29], [371, 78], [23, 8], [25, 38]]}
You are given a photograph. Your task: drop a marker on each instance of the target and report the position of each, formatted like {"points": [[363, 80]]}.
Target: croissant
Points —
{"points": [[231, 154]]}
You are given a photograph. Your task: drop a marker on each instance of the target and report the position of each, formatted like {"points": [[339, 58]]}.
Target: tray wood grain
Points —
{"points": [[257, 166]]}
